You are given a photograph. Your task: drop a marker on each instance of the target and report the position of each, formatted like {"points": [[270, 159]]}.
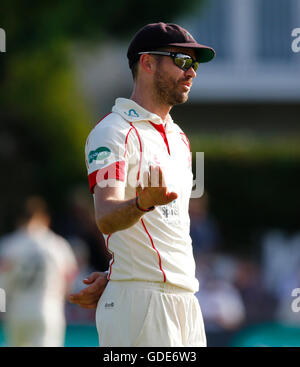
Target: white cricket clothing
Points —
{"points": [[121, 147], [37, 269], [145, 314]]}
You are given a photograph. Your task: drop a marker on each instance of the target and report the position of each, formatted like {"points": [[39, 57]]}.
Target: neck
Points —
{"points": [[37, 223], [144, 96]]}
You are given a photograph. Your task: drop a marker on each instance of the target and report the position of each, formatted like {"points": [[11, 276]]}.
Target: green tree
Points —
{"points": [[44, 119]]}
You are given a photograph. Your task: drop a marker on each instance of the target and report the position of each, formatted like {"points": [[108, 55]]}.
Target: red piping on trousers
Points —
{"points": [[113, 258]]}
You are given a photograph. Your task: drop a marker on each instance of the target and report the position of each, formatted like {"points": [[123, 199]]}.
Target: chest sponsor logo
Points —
{"points": [[100, 154], [171, 212]]}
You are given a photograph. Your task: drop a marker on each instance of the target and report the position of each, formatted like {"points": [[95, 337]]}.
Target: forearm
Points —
{"points": [[117, 215], [113, 213]]}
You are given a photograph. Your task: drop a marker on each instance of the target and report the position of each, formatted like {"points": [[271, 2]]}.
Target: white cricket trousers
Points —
{"points": [[146, 314], [39, 332]]}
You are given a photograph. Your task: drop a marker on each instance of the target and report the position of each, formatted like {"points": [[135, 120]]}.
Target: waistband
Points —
{"points": [[157, 286]]}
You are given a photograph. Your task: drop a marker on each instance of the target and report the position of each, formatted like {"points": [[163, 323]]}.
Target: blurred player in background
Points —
{"points": [[144, 157], [36, 269]]}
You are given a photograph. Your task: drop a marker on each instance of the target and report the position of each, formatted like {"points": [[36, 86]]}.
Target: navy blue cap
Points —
{"points": [[157, 35]]}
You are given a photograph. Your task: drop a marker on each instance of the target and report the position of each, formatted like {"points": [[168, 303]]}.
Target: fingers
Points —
{"points": [[74, 298], [94, 305], [89, 296], [96, 287], [155, 176], [85, 297], [162, 181], [146, 179], [156, 192], [91, 303], [149, 176], [92, 277]]}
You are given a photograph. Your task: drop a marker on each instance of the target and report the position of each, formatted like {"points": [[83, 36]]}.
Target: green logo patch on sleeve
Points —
{"points": [[100, 154]]}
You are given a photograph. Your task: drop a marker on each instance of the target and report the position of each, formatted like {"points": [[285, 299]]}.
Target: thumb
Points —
{"points": [[172, 196]]}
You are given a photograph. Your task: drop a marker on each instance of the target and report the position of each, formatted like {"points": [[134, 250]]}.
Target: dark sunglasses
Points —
{"points": [[184, 62]]}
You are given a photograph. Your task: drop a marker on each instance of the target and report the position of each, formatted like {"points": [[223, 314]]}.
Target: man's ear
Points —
{"points": [[147, 63]]}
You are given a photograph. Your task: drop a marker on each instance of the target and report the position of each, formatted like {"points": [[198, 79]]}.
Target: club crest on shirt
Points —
{"points": [[132, 113], [99, 154]]}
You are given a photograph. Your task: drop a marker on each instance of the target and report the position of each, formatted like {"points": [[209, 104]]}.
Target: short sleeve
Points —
{"points": [[107, 152]]}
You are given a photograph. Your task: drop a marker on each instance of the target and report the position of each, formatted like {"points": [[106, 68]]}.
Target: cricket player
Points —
{"points": [[36, 269], [139, 168]]}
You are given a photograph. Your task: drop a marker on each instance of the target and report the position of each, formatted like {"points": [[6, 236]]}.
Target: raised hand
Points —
{"points": [[155, 191]]}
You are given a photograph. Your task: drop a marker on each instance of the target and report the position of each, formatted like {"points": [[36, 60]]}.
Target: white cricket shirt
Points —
{"points": [[121, 147], [40, 266]]}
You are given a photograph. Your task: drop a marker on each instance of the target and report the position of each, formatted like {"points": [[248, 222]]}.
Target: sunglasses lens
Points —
{"points": [[196, 65], [188, 63], [185, 62], [180, 61]]}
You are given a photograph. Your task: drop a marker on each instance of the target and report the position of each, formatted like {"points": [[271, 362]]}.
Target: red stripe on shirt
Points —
{"points": [[151, 240], [126, 139], [98, 122], [185, 140], [114, 171], [141, 150], [152, 243], [160, 128]]}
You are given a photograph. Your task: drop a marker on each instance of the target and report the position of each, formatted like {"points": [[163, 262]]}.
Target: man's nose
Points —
{"points": [[191, 72]]}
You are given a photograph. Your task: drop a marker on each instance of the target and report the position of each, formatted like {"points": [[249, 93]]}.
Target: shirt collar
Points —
{"points": [[133, 112]]}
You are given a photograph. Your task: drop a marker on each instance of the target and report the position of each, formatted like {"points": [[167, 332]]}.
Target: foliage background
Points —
{"points": [[45, 119]]}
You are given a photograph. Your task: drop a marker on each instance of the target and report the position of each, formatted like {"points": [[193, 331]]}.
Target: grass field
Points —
{"points": [[76, 336]]}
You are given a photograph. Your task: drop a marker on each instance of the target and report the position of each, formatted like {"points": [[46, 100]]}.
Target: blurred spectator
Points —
{"points": [[284, 312], [75, 314], [204, 230], [277, 260], [36, 269], [281, 255], [221, 304], [79, 221], [260, 303]]}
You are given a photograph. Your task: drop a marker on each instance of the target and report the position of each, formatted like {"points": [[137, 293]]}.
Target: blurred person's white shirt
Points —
{"points": [[289, 282], [281, 259], [221, 304], [37, 267]]}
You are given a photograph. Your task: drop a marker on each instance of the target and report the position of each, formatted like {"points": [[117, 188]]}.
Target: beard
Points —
{"points": [[167, 89]]}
